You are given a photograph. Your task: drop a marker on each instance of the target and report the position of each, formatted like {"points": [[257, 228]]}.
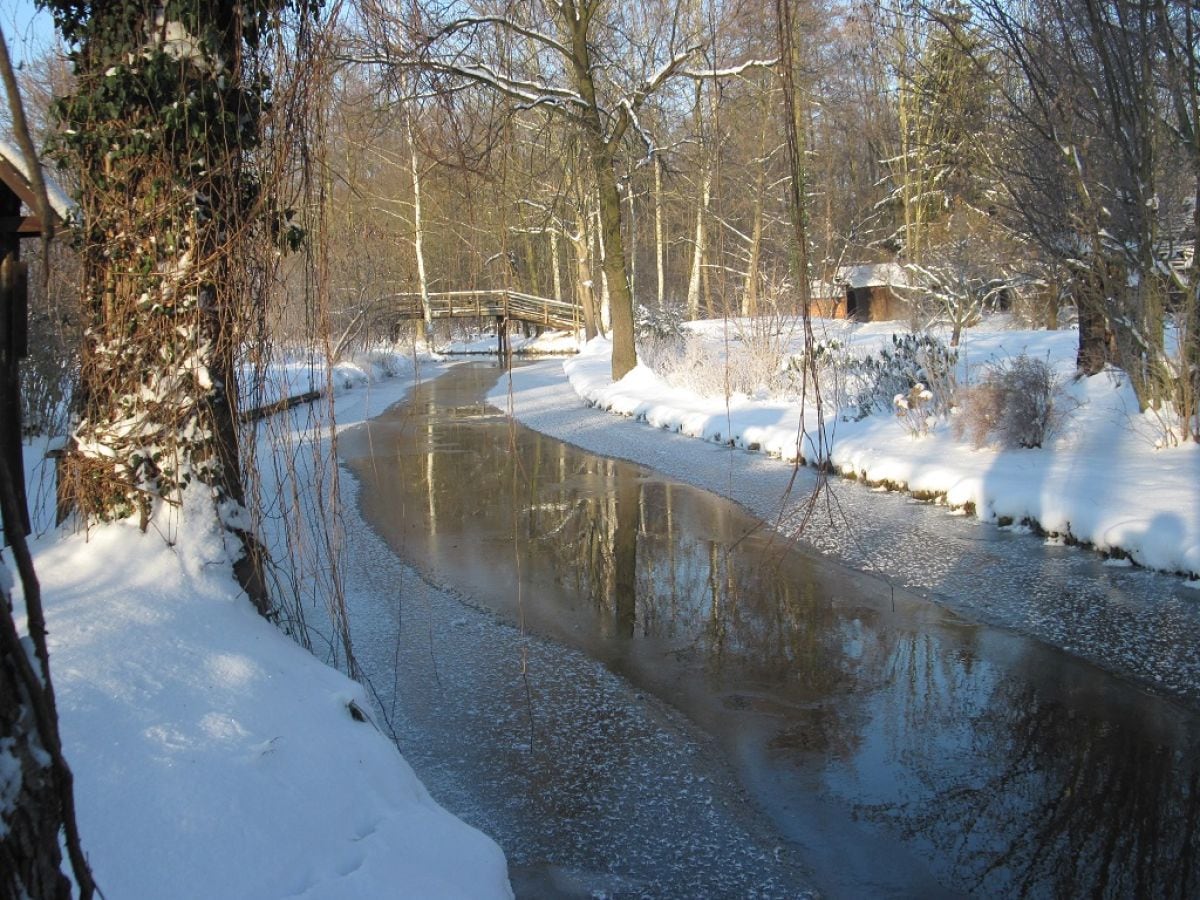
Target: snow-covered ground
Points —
{"points": [[1100, 480], [213, 756], [547, 343], [216, 758]]}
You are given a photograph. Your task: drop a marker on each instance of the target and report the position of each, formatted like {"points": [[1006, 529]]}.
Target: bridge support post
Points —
{"points": [[502, 348]]}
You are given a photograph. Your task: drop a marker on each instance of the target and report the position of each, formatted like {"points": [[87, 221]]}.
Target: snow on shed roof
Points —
{"points": [[872, 275], [62, 204]]}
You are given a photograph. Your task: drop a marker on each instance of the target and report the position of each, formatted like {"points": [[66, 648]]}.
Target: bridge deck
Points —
{"points": [[542, 311]]}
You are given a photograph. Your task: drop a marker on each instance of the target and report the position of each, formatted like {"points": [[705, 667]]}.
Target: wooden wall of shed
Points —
{"points": [[877, 303], [827, 307]]}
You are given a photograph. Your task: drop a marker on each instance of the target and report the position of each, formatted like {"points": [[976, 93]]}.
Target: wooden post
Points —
{"points": [[13, 346], [14, 325], [502, 341]]}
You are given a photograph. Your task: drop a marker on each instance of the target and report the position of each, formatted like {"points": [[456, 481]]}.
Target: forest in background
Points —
{"points": [[1040, 157]]}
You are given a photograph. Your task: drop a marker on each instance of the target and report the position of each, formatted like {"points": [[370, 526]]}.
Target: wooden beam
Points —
{"points": [[17, 183], [23, 226]]}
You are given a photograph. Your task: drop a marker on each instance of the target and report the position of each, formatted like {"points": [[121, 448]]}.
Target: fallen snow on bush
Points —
{"points": [[1100, 479]]}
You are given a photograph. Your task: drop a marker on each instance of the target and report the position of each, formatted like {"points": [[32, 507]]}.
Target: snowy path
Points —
{"points": [[1130, 621]]}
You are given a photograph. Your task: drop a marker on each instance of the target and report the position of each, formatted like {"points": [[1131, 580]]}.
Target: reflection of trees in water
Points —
{"points": [[740, 606], [1013, 791], [1061, 802]]}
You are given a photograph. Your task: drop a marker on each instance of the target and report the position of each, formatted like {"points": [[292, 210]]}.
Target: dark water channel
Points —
{"points": [[895, 747]]}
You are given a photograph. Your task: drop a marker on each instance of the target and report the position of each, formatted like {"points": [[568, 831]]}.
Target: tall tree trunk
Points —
{"points": [[750, 294], [555, 268], [30, 857], [418, 225], [660, 248], [576, 20], [624, 354], [605, 296], [584, 287], [37, 801], [700, 239], [632, 238], [166, 230]]}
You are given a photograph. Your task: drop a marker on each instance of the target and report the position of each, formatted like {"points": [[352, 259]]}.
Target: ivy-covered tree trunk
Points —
{"points": [[165, 111]]}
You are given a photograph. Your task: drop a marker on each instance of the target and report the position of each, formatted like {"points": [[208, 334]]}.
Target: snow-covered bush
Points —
{"points": [[873, 381], [751, 361], [661, 338], [653, 323], [915, 410], [834, 364], [713, 370], [1018, 403], [47, 380]]}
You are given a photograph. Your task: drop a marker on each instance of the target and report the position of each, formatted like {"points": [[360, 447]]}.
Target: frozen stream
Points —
{"points": [[637, 690]]}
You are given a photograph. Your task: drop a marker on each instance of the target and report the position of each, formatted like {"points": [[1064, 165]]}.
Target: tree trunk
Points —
{"points": [[418, 226], [700, 239], [167, 269], [624, 356], [605, 296], [660, 249], [576, 21], [37, 800], [555, 268], [583, 276], [1095, 341], [632, 238], [30, 858]]}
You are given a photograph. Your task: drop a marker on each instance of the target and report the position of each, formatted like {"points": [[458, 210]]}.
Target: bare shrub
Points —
{"points": [[915, 410], [751, 360], [1018, 403]]}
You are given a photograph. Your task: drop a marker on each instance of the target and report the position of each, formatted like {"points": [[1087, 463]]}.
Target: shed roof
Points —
{"points": [[872, 275], [14, 171]]}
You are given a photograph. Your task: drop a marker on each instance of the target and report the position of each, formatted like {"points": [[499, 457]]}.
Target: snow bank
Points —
{"points": [[213, 756], [547, 343], [301, 372], [1101, 481]]}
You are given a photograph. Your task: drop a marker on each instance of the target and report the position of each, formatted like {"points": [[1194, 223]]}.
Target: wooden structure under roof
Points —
{"points": [[18, 220]]}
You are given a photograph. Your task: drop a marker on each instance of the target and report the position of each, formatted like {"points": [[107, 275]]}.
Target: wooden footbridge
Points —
{"points": [[504, 305]]}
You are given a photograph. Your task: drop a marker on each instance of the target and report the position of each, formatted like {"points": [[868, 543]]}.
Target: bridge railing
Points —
{"points": [[546, 311]]}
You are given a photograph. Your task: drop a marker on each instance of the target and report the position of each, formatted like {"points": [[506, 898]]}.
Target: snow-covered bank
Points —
{"points": [[549, 343], [1099, 481], [214, 757]]}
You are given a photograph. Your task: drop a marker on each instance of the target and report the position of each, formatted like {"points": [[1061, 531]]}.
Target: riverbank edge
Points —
{"points": [[617, 398], [212, 754]]}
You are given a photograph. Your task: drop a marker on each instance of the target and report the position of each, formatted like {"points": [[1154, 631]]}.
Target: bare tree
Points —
{"points": [[591, 63]]}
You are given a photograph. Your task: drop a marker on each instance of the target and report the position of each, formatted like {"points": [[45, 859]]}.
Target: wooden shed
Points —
{"points": [[870, 291], [18, 220], [826, 300]]}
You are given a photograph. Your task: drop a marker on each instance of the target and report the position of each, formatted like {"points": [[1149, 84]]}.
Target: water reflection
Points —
{"points": [[904, 749]]}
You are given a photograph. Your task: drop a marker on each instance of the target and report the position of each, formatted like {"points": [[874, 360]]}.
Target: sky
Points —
{"points": [[28, 30]]}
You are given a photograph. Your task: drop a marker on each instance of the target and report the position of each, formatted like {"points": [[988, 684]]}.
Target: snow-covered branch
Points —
{"points": [[507, 24], [731, 71]]}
